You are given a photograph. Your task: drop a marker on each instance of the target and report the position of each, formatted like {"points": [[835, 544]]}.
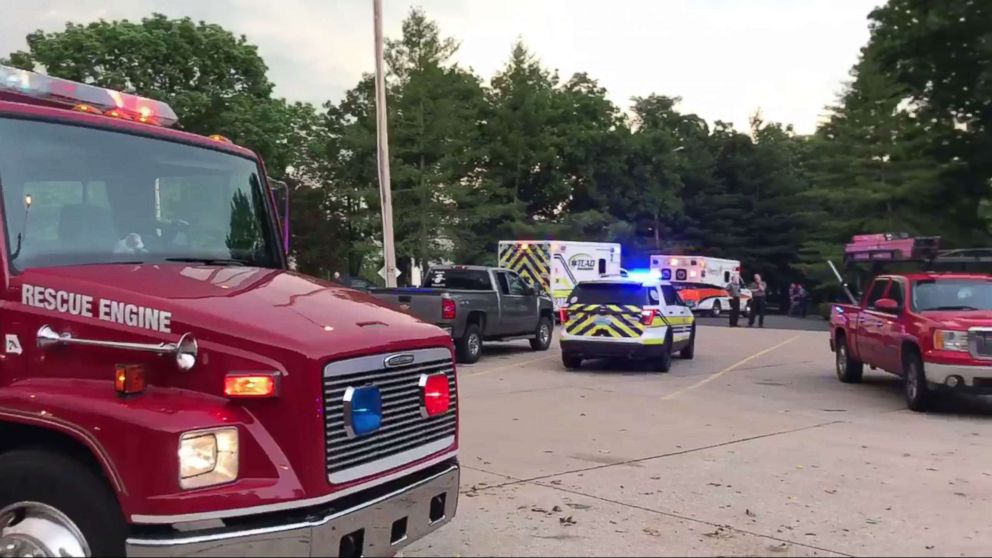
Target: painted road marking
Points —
{"points": [[506, 366], [730, 368]]}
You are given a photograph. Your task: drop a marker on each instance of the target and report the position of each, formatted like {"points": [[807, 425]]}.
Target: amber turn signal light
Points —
{"points": [[251, 384], [129, 379]]}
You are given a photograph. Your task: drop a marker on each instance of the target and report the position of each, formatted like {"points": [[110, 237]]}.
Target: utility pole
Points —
{"points": [[382, 137]]}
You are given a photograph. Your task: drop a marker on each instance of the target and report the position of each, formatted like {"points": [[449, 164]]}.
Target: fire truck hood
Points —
{"points": [[256, 305]]}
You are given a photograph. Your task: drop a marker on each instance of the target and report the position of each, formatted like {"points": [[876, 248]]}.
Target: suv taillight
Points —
{"points": [[448, 309], [647, 316], [563, 314]]}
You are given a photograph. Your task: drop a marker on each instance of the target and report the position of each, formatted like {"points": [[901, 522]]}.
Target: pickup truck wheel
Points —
{"points": [[52, 505], [542, 339], [470, 345], [571, 362], [849, 370], [918, 395], [717, 309]]}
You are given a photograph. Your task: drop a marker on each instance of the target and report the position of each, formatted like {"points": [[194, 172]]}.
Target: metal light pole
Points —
{"points": [[382, 136]]}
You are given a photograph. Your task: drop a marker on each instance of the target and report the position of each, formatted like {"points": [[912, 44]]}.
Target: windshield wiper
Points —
{"points": [[210, 261], [950, 308]]}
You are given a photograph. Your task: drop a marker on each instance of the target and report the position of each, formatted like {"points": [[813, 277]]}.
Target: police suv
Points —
{"points": [[626, 318]]}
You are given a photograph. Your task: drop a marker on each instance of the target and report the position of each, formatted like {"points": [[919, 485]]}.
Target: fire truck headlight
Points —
{"points": [[208, 457]]}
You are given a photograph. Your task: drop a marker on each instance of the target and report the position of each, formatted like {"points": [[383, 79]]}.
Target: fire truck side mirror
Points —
{"points": [[280, 192]]}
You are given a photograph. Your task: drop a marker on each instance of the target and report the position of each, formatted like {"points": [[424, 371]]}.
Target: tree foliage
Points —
{"points": [[531, 154]]}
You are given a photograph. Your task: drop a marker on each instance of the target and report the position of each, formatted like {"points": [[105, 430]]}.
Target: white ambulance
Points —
{"points": [[702, 281], [558, 265]]}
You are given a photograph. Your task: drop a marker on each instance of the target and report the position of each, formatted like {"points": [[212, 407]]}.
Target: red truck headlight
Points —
{"points": [[208, 457], [950, 340], [435, 394]]}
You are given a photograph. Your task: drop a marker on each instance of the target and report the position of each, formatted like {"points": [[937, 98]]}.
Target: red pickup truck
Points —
{"points": [[167, 386], [933, 329]]}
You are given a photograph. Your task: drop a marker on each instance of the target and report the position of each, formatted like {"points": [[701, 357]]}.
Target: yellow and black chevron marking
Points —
{"points": [[531, 261], [604, 320]]}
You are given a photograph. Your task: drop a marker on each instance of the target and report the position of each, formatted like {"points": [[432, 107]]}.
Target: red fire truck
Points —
{"points": [[167, 386]]}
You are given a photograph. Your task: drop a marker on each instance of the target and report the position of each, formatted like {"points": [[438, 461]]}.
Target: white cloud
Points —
{"points": [[725, 58]]}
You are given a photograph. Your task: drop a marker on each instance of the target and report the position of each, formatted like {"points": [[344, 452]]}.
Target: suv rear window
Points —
{"points": [[609, 293], [464, 279]]}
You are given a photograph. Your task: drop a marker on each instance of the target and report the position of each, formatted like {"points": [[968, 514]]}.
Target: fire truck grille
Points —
{"points": [[405, 434]]}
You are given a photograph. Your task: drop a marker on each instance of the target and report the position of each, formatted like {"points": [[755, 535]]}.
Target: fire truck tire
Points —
{"points": [[469, 347], [542, 339], [48, 493], [849, 370], [689, 351], [919, 398]]}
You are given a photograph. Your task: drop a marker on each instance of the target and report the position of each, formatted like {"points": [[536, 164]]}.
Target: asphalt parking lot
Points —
{"points": [[753, 448]]}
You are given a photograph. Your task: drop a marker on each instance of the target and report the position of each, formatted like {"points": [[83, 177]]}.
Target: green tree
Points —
{"points": [[216, 82]]}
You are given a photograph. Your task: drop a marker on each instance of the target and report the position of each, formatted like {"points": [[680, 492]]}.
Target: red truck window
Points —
{"points": [[75, 195], [877, 291]]}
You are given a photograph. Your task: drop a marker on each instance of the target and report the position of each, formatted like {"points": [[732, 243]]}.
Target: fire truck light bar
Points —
{"points": [[85, 98]]}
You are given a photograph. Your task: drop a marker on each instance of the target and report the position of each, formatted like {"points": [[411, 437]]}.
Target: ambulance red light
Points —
{"points": [[31, 86], [435, 394]]}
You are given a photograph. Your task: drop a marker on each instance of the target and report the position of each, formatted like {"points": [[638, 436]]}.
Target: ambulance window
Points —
{"points": [[602, 266]]}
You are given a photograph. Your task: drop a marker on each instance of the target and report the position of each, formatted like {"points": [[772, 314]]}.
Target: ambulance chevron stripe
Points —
{"points": [[529, 260]]}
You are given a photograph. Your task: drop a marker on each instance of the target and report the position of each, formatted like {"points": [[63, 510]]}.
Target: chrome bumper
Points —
{"points": [[373, 525], [939, 373]]}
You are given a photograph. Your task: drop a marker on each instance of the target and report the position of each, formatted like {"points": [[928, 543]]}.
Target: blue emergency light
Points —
{"points": [[362, 410], [644, 274]]}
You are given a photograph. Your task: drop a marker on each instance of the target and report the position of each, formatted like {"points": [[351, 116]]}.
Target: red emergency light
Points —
{"points": [[84, 98]]}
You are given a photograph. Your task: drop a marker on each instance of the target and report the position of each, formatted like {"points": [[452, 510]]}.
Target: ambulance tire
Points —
{"points": [[71, 498], [689, 350], [469, 347], [716, 310], [542, 339], [664, 362]]}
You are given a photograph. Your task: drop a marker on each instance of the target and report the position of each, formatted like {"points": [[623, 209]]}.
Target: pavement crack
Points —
{"points": [[663, 455], [693, 519]]}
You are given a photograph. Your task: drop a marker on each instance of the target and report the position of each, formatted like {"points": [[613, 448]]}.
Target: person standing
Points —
{"points": [[734, 289], [803, 301], [793, 299], [759, 292]]}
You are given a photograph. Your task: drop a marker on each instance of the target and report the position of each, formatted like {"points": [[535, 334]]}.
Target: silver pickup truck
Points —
{"points": [[477, 304]]}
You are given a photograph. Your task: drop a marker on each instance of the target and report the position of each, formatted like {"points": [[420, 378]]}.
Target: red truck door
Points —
{"points": [[889, 341], [871, 323]]}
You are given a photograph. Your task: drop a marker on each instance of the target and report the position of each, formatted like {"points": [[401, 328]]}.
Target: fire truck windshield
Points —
{"points": [[74, 195]]}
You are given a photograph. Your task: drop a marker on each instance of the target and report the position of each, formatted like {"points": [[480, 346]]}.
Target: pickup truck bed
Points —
{"points": [[498, 307]]}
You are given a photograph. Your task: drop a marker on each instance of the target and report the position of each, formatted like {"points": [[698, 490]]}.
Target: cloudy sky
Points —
{"points": [[725, 58]]}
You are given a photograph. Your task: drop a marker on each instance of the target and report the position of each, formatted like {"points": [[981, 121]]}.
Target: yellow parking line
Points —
{"points": [[505, 366], [730, 368]]}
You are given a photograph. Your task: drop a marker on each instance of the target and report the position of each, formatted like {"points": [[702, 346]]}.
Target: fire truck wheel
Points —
{"points": [[470, 345], [918, 395], [542, 339], [848, 369], [53, 505]]}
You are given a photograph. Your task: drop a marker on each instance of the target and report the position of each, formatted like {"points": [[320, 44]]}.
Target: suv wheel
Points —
{"points": [[664, 362], [571, 362]]}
